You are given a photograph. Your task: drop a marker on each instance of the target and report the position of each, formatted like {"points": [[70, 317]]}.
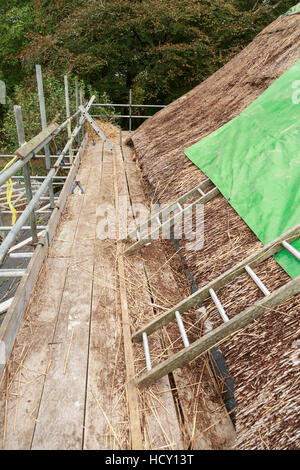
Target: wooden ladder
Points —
{"points": [[163, 220], [229, 326], [96, 128]]}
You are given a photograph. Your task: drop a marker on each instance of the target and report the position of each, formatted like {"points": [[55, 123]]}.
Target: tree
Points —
{"points": [[160, 48], [16, 21]]}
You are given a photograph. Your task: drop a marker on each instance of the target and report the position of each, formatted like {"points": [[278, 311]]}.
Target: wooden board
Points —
{"points": [[132, 392], [65, 384], [106, 420], [66, 381], [62, 242], [14, 316], [34, 143], [32, 354], [36, 335], [161, 429]]}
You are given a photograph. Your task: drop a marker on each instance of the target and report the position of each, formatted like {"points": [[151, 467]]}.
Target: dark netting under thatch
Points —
{"points": [[264, 358]]}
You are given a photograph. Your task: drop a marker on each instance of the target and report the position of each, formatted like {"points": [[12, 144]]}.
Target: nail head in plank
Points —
{"points": [[12, 321]]}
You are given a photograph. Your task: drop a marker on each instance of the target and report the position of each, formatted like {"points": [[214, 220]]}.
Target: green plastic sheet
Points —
{"points": [[294, 9], [254, 160]]}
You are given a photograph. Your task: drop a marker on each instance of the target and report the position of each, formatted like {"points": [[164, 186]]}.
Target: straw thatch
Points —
{"points": [[263, 359]]}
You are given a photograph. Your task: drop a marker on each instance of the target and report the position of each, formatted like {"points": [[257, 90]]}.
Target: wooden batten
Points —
{"points": [[26, 149]]}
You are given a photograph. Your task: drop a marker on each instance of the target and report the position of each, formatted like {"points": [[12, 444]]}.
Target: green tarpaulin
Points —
{"points": [[294, 9], [254, 160]]}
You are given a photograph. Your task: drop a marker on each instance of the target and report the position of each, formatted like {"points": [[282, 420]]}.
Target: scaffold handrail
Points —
{"points": [[21, 221]]}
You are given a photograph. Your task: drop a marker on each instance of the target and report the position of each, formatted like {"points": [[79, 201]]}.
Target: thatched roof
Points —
{"points": [[263, 359]]}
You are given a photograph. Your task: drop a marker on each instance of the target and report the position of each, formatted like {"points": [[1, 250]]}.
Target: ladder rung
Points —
{"points": [[12, 272], [201, 192], [147, 352], [179, 206], [185, 197], [218, 305], [223, 280], [182, 330], [27, 254], [138, 236], [7, 228], [4, 306], [216, 336], [257, 281], [291, 250], [158, 221], [170, 222]]}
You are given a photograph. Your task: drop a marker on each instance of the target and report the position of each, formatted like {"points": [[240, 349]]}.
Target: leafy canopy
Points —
{"points": [[160, 48]]}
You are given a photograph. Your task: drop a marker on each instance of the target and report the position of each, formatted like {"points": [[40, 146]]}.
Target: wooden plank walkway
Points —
{"points": [[69, 384], [162, 429]]}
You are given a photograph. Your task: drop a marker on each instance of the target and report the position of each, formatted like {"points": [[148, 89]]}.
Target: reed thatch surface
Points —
{"points": [[263, 359]]}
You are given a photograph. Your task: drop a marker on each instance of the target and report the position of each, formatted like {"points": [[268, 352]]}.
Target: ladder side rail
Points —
{"points": [[96, 128], [172, 221], [291, 249], [170, 208], [221, 281], [221, 333]]}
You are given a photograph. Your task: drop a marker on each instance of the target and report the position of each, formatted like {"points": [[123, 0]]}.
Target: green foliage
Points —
{"points": [[269, 7], [162, 47], [16, 20], [26, 96], [159, 48], [106, 112]]}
